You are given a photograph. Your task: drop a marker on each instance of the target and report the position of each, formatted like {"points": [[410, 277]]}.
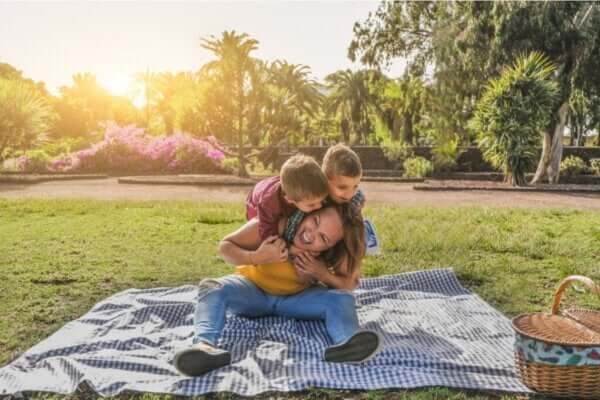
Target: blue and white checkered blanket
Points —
{"points": [[436, 333]]}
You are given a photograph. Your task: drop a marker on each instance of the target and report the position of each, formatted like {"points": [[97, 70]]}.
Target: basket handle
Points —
{"points": [[565, 283]]}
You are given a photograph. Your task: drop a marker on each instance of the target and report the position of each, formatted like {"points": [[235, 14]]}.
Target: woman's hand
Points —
{"points": [[273, 249], [307, 264]]}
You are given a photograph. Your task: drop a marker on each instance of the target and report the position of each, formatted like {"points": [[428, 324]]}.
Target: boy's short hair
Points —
{"points": [[302, 178], [341, 160]]}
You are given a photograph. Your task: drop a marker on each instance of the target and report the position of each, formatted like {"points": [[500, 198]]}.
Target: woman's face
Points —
{"points": [[319, 231]]}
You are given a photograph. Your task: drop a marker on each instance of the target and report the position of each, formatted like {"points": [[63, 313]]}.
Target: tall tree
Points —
{"points": [[578, 117], [171, 89], [425, 35], [233, 70], [511, 113], [466, 43], [400, 104], [292, 98], [9, 72], [146, 85], [594, 115], [81, 108], [351, 96]]}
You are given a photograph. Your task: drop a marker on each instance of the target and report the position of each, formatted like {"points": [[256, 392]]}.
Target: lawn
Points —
{"points": [[60, 257]]}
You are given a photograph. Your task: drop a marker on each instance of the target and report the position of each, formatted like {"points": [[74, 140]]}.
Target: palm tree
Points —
{"points": [[24, 116], [169, 89], [233, 70], [578, 117], [352, 98], [260, 100], [399, 106], [293, 98], [146, 83], [302, 91], [514, 108], [186, 101]]}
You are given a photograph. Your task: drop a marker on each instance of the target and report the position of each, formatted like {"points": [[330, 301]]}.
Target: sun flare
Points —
{"points": [[117, 85], [121, 85]]}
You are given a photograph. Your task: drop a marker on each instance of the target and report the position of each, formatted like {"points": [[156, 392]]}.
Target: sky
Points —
{"points": [[52, 41]]}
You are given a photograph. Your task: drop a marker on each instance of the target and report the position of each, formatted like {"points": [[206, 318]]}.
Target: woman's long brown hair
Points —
{"points": [[351, 249]]}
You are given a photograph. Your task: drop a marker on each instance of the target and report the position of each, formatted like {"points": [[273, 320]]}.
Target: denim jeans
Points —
{"points": [[238, 295]]}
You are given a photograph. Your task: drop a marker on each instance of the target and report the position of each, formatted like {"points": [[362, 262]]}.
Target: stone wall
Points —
{"points": [[470, 160]]}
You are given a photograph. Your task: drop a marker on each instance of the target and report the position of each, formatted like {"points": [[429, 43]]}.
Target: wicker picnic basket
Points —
{"points": [[558, 354]]}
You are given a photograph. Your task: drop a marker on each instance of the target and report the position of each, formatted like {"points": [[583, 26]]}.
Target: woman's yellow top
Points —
{"points": [[278, 278]]}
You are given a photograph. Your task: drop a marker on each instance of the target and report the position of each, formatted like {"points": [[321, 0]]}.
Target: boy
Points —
{"points": [[301, 185], [343, 169]]}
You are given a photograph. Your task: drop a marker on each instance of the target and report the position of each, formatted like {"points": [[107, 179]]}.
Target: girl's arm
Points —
{"points": [[244, 247]]}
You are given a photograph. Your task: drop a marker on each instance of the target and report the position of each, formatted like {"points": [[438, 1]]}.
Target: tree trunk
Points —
{"points": [[572, 136], [407, 131], [365, 130], [169, 124], [3, 146], [514, 178], [549, 164], [345, 128], [395, 131], [242, 173]]}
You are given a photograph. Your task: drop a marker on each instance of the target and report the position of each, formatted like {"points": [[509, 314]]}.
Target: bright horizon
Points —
{"points": [[52, 41]]}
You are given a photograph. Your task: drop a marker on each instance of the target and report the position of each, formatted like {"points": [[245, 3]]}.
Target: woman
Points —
{"points": [[267, 283]]}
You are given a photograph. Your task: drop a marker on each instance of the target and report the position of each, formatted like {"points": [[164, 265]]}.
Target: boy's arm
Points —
{"points": [[269, 211], [245, 247]]}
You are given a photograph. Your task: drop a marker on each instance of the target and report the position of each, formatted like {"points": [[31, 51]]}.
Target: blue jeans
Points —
{"points": [[238, 295]]}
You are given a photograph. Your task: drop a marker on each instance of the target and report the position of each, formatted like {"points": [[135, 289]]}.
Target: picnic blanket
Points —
{"points": [[435, 333]]}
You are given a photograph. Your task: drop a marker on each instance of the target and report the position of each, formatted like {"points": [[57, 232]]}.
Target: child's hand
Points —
{"points": [[306, 263], [273, 249], [304, 277], [294, 251]]}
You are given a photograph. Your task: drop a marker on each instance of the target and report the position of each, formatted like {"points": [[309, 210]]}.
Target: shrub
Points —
{"points": [[396, 151], [445, 155], [595, 165], [417, 167], [231, 164], [64, 146], [572, 166], [33, 161], [25, 116], [193, 155], [129, 150], [512, 112]]}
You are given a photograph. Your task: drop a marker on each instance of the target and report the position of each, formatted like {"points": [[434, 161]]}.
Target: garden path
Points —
{"points": [[400, 194]]}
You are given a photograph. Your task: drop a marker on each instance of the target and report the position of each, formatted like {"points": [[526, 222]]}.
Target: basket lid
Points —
{"points": [[555, 329], [589, 318]]}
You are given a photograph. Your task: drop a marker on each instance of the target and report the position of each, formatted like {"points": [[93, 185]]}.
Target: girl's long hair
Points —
{"points": [[351, 249]]}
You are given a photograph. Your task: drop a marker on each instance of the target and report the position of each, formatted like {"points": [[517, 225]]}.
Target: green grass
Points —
{"points": [[60, 257]]}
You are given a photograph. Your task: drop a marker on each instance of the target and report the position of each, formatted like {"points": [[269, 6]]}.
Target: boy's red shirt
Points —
{"points": [[266, 202]]}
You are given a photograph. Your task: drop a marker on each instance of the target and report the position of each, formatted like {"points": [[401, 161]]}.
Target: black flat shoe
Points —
{"points": [[358, 349], [200, 359]]}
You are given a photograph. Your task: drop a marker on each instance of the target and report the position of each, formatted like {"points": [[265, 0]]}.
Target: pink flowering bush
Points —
{"points": [[129, 150], [33, 161]]}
